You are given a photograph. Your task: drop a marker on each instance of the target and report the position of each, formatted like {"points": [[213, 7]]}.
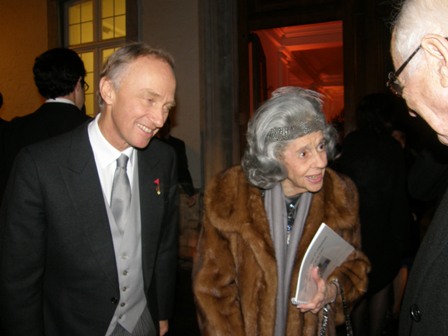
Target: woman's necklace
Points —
{"points": [[291, 206]]}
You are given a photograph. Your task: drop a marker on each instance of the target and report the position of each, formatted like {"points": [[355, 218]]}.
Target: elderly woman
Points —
{"points": [[260, 218]]}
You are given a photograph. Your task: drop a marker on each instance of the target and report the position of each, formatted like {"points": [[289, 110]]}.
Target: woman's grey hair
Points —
{"points": [[415, 19], [291, 113], [117, 63]]}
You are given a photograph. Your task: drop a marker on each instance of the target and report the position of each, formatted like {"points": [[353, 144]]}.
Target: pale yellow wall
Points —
{"points": [[174, 25], [23, 27]]}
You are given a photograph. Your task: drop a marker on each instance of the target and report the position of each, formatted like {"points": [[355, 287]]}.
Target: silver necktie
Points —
{"points": [[121, 193]]}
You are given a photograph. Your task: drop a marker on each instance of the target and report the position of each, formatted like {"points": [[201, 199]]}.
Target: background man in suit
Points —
{"points": [[68, 264], [419, 49], [184, 176], [59, 76]]}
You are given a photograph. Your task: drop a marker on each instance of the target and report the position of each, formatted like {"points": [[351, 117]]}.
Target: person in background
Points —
{"points": [[59, 75], [402, 134], [3, 125], [185, 180], [375, 161], [3, 171], [419, 49], [88, 226], [260, 218]]}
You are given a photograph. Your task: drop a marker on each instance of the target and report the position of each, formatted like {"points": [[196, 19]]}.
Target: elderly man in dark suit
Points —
{"points": [[88, 236], [59, 75], [420, 54]]}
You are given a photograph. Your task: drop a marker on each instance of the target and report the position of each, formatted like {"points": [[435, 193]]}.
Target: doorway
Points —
{"points": [[308, 56]]}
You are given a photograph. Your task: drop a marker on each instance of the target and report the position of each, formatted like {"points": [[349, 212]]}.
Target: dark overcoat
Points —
{"points": [[425, 302]]}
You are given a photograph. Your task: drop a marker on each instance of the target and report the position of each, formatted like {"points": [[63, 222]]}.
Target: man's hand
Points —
{"points": [[163, 325]]}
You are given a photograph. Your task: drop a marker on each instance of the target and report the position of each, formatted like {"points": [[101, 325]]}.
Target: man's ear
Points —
{"points": [[437, 47], [78, 85], [107, 90]]}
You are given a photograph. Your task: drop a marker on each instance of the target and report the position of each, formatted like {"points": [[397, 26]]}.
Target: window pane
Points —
{"points": [[120, 26], [90, 25], [74, 14], [107, 28], [113, 16], [107, 8], [89, 64], [74, 34], [86, 11], [87, 32], [120, 7], [90, 104], [88, 60], [106, 54]]}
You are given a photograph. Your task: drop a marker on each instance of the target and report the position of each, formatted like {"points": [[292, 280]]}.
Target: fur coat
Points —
{"points": [[235, 274]]}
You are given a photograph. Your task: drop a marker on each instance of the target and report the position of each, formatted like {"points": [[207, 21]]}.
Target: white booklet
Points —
{"points": [[327, 250]]}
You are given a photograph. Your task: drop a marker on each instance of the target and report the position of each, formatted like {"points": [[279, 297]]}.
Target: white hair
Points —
{"points": [[416, 19]]}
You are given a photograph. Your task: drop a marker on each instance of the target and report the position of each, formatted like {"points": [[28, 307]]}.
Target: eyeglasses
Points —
{"points": [[393, 83], [85, 86]]}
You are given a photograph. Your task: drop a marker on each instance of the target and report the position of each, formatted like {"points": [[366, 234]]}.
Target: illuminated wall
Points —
{"points": [[175, 27], [23, 36]]}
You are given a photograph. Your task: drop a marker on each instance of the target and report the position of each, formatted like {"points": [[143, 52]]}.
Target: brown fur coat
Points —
{"points": [[235, 274]]}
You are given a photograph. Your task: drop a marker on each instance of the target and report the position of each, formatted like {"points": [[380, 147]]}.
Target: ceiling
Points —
{"points": [[313, 57]]}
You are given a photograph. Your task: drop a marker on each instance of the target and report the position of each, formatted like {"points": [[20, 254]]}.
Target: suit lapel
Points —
{"points": [[84, 186], [85, 190]]}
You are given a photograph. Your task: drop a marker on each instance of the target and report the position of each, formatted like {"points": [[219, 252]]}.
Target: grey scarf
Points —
{"points": [[274, 203]]}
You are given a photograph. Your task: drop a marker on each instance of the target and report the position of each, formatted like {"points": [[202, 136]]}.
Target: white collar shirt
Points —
{"points": [[60, 100], [106, 157]]}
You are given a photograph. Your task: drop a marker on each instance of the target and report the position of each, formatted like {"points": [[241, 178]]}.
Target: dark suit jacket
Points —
{"points": [[185, 180], [425, 303], [58, 273], [49, 120]]}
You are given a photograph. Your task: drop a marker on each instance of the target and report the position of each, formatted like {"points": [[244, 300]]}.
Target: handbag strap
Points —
{"points": [[326, 310]]}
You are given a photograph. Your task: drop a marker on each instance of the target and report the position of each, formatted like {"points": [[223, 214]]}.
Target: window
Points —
{"points": [[95, 29]]}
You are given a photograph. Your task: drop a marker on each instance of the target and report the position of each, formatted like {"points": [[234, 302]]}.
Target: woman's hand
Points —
{"points": [[326, 293]]}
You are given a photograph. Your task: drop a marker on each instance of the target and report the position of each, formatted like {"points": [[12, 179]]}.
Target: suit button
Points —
{"points": [[114, 300], [416, 314]]}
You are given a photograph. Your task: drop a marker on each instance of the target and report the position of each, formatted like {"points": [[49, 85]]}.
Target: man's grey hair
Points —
{"points": [[117, 63], [291, 113], [415, 19]]}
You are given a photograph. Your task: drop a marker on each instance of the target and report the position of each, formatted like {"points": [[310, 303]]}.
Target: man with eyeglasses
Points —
{"points": [[59, 75], [420, 54]]}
